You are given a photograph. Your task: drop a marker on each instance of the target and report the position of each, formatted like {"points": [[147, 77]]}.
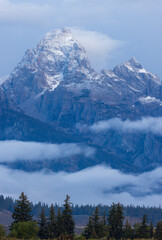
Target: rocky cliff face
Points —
{"points": [[55, 84]]}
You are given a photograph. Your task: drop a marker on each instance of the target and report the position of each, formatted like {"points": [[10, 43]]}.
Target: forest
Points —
{"points": [[154, 214], [60, 225]]}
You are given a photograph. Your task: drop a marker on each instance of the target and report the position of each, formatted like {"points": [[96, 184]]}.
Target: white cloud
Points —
{"points": [[78, 12], [32, 151], [98, 46], [23, 11], [95, 185], [146, 124]]}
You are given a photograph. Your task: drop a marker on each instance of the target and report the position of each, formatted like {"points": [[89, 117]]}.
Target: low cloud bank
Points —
{"points": [[11, 151], [95, 185], [147, 124]]}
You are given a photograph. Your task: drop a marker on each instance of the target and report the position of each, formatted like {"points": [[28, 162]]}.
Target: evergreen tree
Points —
{"points": [[43, 227], [22, 210], [151, 230], [105, 226], [128, 231], [112, 221], [158, 233], [97, 223], [104, 218], [89, 231], [144, 230], [68, 223], [59, 225], [119, 221], [115, 221], [137, 230], [52, 223]]}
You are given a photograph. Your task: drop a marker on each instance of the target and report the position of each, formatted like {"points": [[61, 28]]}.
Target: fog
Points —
{"points": [[94, 185], [33, 151], [145, 124]]}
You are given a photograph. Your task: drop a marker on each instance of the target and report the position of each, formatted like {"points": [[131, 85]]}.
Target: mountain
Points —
{"points": [[55, 86]]}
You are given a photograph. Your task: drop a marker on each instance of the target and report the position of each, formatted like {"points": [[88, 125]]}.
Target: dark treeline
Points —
{"points": [[61, 226], [154, 213], [111, 226], [57, 226]]}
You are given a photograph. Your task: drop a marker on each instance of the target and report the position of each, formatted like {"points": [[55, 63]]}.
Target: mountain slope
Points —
{"points": [[55, 82], [55, 85]]}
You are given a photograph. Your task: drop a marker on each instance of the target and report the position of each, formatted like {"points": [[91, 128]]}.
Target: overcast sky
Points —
{"points": [[112, 30]]}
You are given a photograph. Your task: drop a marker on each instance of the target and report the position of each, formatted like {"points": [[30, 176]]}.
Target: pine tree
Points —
{"points": [[112, 221], [104, 218], [43, 227], [158, 233], [97, 223], [52, 223], [119, 221], [68, 223], [144, 230], [105, 227], [128, 231], [22, 210], [151, 230], [115, 221], [137, 230], [59, 225], [89, 231]]}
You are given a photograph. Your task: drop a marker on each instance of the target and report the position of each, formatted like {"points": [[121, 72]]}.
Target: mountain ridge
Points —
{"points": [[56, 85]]}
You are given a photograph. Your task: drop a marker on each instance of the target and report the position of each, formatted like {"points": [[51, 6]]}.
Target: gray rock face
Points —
{"points": [[54, 83]]}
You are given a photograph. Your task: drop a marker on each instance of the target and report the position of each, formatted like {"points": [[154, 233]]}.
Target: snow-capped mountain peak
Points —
{"points": [[58, 66], [56, 39], [133, 63], [132, 70], [56, 48], [57, 55]]}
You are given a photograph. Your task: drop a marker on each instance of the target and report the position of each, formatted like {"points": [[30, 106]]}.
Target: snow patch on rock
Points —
{"points": [[54, 81], [3, 79], [148, 100]]}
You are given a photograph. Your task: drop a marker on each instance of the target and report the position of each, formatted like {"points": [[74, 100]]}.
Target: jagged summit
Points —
{"points": [[56, 38], [58, 49], [59, 42], [131, 65], [55, 57], [133, 70], [133, 61]]}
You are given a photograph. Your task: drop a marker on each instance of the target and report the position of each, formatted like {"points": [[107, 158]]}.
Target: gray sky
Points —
{"points": [[113, 30]]}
